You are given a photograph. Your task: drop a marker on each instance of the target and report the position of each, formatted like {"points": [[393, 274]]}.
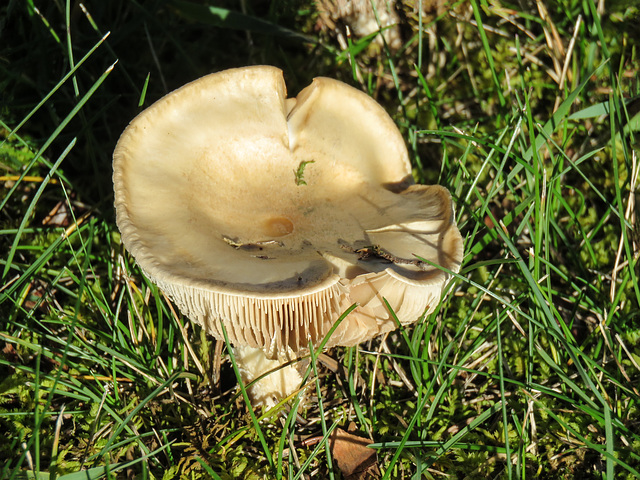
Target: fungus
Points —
{"points": [[273, 215]]}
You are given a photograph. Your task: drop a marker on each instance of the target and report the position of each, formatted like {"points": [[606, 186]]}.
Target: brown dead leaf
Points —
{"points": [[355, 460], [59, 216], [10, 353]]}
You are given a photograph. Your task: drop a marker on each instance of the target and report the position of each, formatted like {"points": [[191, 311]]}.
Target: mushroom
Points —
{"points": [[273, 215]]}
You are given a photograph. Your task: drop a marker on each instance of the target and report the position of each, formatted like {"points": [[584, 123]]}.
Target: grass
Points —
{"points": [[529, 368]]}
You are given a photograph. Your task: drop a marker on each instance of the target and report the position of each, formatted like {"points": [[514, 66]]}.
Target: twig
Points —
{"points": [[377, 252]]}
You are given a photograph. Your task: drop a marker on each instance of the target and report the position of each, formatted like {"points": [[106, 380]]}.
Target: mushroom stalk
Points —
{"points": [[280, 383]]}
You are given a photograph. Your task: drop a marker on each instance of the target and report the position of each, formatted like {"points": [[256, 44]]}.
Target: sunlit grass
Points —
{"points": [[528, 368]]}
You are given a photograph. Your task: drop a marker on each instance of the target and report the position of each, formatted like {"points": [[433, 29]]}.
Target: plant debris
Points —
{"points": [[355, 460]]}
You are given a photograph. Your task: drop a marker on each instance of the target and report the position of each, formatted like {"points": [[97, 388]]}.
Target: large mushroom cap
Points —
{"points": [[274, 215]]}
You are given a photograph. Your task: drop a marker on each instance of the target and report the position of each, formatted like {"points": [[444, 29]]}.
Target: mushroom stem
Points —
{"points": [[280, 383]]}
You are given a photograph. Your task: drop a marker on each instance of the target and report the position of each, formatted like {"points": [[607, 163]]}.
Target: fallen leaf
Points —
{"points": [[59, 216], [354, 459]]}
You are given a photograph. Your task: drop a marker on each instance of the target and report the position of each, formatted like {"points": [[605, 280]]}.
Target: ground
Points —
{"points": [[529, 367]]}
